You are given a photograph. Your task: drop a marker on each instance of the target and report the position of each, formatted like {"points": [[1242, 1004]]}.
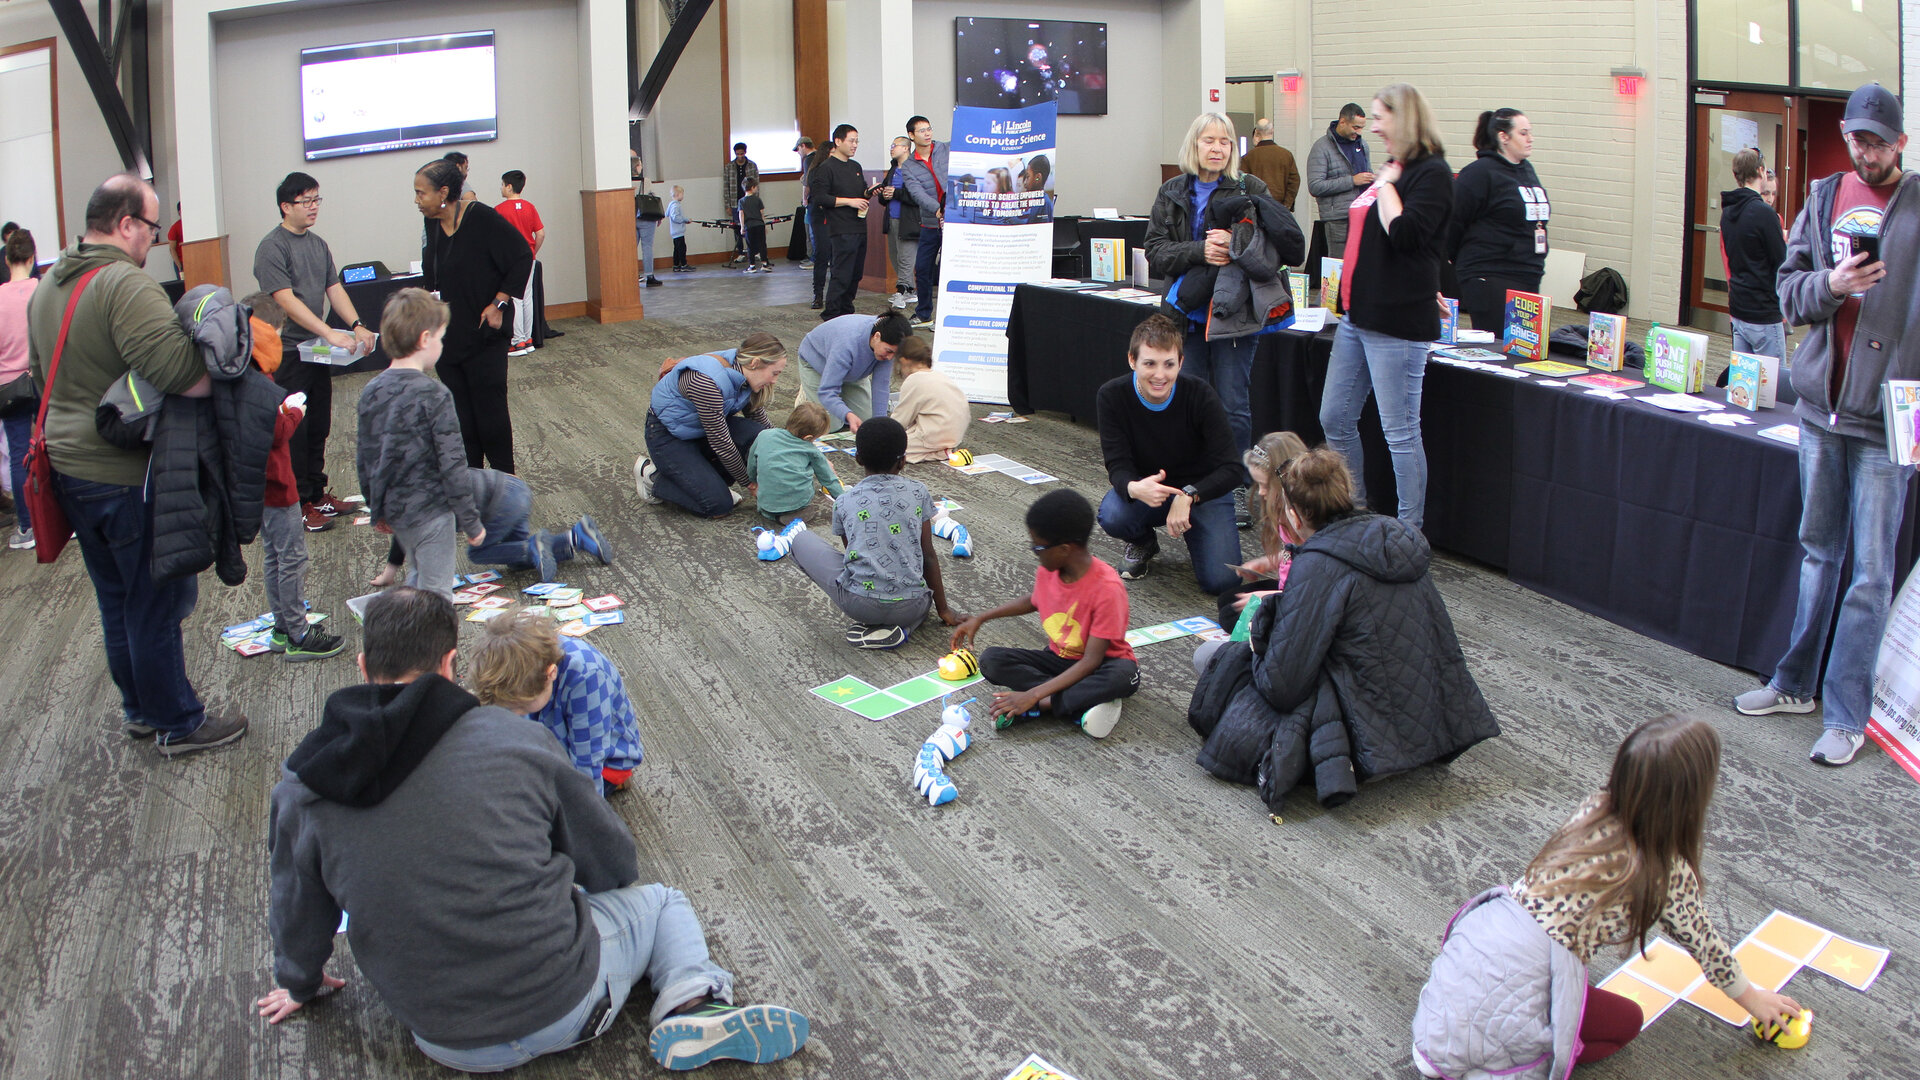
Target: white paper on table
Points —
{"points": [[1106, 213], [1472, 337], [1309, 320], [1684, 403]]}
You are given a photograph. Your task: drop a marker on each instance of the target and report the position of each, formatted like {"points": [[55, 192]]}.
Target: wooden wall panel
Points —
{"points": [[204, 262], [613, 265], [810, 70]]}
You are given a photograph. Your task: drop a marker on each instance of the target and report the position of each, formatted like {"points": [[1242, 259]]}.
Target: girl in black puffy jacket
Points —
{"points": [[1499, 236]]}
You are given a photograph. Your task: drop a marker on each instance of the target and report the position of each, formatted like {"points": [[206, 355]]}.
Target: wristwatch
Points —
{"points": [[1191, 492], [357, 324], [501, 304]]}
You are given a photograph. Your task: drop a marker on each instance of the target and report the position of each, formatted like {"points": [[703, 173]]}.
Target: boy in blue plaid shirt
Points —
{"points": [[525, 665]]}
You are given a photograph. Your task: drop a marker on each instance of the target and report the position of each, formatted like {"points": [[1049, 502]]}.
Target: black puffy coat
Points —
{"points": [[208, 477], [1356, 675]]}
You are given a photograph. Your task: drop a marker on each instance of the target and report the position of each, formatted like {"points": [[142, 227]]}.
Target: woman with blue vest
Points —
{"points": [[706, 412]]}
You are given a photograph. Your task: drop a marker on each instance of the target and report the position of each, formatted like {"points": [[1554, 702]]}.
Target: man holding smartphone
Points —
{"points": [[837, 190], [1851, 271]]}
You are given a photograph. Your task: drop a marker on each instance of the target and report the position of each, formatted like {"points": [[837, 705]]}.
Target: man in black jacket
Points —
{"points": [[1755, 245], [492, 892], [837, 190]]}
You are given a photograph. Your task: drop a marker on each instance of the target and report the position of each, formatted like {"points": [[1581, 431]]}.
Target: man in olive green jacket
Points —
{"points": [[122, 323]]}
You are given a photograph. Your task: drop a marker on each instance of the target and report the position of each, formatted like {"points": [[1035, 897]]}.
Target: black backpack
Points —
{"points": [[1603, 290]]}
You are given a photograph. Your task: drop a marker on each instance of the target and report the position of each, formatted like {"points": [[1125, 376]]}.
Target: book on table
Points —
{"points": [[1330, 284], [1751, 379], [1525, 336], [1471, 354], [1676, 359], [1449, 321], [1108, 258], [1551, 368], [1900, 408], [1299, 290], [1615, 383], [1605, 336]]}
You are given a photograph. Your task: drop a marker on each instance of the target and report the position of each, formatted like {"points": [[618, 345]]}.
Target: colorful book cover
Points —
{"points": [[1526, 326], [1109, 258], [1450, 322], [1330, 284], [1676, 359], [1900, 407], [1605, 335], [1468, 352], [1551, 368], [1750, 381], [1298, 288], [1608, 382]]}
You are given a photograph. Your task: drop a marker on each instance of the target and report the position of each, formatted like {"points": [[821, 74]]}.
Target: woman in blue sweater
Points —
{"points": [[705, 413]]}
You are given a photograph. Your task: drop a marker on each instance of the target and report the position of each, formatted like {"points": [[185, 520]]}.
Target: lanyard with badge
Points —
{"points": [[1538, 212]]}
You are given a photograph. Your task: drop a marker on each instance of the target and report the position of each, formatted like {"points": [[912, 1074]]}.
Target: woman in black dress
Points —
{"points": [[478, 263]]}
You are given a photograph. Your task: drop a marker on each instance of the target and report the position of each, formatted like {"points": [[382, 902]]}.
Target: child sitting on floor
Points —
{"points": [[283, 537], [525, 665], [786, 466], [505, 503], [932, 406], [1265, 575], [1510, 984], [1087, 666], [889, 577]]}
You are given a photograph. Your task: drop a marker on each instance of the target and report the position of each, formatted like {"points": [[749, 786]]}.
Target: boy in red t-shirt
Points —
{"points": [[283, 539], [1087, 666], [522, 216]]}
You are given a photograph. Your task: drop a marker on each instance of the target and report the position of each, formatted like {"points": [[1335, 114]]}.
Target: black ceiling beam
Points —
{"points": [[648, 92], [127, 137]]}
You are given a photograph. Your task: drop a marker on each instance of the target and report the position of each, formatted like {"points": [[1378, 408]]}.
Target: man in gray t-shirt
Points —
{"points": [[294, 265]]}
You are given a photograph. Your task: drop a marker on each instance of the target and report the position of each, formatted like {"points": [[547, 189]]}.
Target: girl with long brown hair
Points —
{"points": [[1628, 860]]}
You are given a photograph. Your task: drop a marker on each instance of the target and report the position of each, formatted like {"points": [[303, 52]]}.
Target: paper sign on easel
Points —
{"points": [[1895, 721]]}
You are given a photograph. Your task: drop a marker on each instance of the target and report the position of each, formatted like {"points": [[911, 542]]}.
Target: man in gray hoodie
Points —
{"points": [[491, 889], [1338, 170], [1852, 277]]}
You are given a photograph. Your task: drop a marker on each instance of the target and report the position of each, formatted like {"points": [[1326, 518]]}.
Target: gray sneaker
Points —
{"points": [[21, 540], [218, 729], [1133, 561], [1769, 700], [1836, 747], [1242, 513]]}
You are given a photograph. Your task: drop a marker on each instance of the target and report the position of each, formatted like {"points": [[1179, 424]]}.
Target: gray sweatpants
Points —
{"points": [[283, 558], [430, 546], [822, 561]]}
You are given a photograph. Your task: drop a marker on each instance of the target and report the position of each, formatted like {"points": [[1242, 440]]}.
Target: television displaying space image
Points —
{"points": [[1014, 63]]}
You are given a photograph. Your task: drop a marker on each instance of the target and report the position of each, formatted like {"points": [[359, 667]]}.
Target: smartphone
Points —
{"points": [[1868, 244]]}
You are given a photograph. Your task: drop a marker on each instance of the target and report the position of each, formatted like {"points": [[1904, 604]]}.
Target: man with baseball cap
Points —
{"points": [[1850, 275]]}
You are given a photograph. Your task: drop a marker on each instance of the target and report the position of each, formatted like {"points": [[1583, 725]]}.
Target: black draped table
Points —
{"points": [[370, 299], [1660, 522]]}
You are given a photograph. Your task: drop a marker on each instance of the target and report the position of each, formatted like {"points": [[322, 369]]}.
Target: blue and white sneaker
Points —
{"points": [[962, 542], [752, 1033], [586, 537]]}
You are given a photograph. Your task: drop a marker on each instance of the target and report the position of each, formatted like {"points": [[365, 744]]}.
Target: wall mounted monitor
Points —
{"points": [[398, 94], [1014, 63]]}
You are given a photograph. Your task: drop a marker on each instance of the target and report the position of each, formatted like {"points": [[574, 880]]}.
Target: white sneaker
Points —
{"points": [[737, 495], [1836, 747], [1099, 720], [643, 474]]}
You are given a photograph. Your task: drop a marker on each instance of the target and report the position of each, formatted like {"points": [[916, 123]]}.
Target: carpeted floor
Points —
{"points": [[1105, 904]]}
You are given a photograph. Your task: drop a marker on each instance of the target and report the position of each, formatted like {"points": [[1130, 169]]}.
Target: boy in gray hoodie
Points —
{"points": [[412, 462]]}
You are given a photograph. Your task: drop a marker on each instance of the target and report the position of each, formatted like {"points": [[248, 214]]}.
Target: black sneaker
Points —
{"points": [[1242, 513], [218, 729], [816, 305], [863, 636], [317, 645], [1133, 562]]}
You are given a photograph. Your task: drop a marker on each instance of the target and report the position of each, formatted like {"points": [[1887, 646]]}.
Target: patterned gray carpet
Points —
{"points": [[1104, 904]]}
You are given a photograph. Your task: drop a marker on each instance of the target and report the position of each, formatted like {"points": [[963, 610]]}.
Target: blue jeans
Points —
{"points": [[139, 619], [646, 931], [689, 473], [643, 232], [1846, 484], [1393, 370], [1761, 339], [19, 427], [1213, 543], [1227, 366], [505, 520], [820, 248], [926, 275]]}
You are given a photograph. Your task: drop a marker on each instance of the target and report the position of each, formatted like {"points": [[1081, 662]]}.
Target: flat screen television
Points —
{"points": [[398, 94], [1014, 63]]}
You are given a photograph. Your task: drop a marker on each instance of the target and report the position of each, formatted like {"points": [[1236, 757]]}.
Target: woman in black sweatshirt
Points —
{"points": [[1500, 210], [478, 263], [1396, 231]]}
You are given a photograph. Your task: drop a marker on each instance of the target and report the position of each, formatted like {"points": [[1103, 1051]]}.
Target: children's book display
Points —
{"points": [[1525, 336], [1107, 258], [1751, 381], [1606, 334], [1330, 270], [1899, 407], [1299, 290], [1449, 322], [1552, 368], [1615, 383], [1676, 359], [1782, 433], [1772, 954]]}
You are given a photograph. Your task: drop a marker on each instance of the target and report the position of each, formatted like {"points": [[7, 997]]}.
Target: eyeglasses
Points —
{"points": [[1041, 549], [315, 201], [1875, 146], [154, 225]]}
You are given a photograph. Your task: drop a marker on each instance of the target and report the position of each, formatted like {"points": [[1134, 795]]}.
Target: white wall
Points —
{"points": [[368, 212], [1112, 160]]}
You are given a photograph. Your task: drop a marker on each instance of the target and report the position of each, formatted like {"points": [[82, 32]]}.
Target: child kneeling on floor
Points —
{"points": [[889, 578], [786, 467], [525, 665], [932, 407], [1508, 995], [1087, 666]]}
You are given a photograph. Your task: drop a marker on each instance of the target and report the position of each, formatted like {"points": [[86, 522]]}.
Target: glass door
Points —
{"points": [[1725, 124]]}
